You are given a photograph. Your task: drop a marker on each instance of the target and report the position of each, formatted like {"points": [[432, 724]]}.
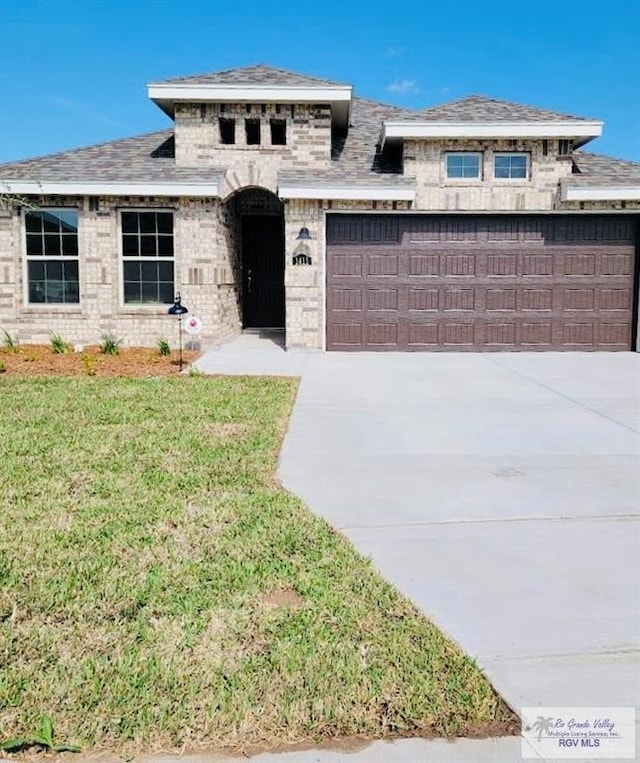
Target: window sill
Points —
{"points": [[38, 309], [144, 309], [265, 149]]}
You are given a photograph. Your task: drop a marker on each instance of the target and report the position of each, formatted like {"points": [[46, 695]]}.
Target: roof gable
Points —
{"points": [[259, 74], [479, 108]]}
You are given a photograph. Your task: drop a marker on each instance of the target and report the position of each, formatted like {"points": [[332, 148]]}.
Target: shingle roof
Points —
{"points": [[356, 159], [598, 170], [479, 108], [143, 158], [260, 74]]}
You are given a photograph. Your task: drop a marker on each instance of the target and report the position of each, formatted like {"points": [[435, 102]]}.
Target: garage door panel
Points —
{"points": [[459, 298], [579, 265], [381, 334], [616, 264], [503, 264], [342, 299], [423, 335], [501, 300], [537, 264], [382, 299], [347, 334], [614, 299], [535, 334], [500, 334], [347, 264], [429, 283], [424, 264], [382, 265], [614, 334], [459, 265], [424, 299]]}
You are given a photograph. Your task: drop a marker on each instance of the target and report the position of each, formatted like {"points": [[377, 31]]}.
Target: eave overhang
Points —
{"points": [[165, 96], [89, 188], [580, 131], [601, 193]]}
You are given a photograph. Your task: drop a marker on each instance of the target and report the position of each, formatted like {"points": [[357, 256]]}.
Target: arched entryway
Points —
{"points": [[256, 217]]}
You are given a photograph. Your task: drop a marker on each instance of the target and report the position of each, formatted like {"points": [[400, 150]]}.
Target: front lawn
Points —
{"points": [[160, 590]]}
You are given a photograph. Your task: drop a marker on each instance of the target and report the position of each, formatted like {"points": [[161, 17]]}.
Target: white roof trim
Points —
{"points": [[90, 188], [550, 129], [240, 93], [601, 193], [354, 193]]}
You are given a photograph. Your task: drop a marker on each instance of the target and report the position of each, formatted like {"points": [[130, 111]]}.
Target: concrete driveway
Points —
{"points": [[500, 493]]}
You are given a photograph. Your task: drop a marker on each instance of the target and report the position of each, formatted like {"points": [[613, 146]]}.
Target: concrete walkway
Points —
{"points": [[499, 492]]}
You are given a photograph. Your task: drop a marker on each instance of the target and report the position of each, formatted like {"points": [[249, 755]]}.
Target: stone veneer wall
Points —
{"points": [[204, 273], [425, 160]]}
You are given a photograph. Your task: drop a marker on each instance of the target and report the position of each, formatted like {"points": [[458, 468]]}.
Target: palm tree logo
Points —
{"points": [[543, 725]]}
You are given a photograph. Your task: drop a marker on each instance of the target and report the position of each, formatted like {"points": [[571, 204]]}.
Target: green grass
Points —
{"points": [[159, 589]]}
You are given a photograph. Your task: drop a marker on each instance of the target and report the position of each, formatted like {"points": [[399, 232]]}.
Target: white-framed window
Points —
{"points": [[52, 256], [511, 166], [464, 165], [147, 256]]}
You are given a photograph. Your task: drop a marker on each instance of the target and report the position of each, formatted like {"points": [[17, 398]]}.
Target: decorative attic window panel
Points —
{"points": [[278, 132], [52, 256], [147, 254], [227, 131], [463, 165], [252, 129]]}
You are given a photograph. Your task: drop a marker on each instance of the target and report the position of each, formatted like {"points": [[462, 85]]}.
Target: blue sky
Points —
{"points": [[73, 73]]}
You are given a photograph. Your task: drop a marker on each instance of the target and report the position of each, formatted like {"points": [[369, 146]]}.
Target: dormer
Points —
{"points": [[223, 117], [487, 127]]}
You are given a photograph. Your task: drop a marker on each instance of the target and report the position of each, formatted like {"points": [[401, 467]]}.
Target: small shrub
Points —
{"points": [[9, 342], [195, 372], [58, 345], [89, 363], [164, 348], [110, 344]]}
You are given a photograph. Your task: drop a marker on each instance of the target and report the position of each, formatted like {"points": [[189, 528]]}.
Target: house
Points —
{"points": [[282, 200]]}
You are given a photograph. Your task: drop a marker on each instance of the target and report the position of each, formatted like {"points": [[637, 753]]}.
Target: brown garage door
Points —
{"points": [[425, 282]]}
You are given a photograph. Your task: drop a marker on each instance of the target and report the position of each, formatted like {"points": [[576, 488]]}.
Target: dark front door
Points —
{"points": [[262, 272]]}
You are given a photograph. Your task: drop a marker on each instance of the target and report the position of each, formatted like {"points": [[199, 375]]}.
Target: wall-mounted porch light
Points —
{"points": [[302, 254]]}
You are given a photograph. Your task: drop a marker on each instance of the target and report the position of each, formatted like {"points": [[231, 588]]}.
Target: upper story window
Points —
{"points": [[52, 256], [147, 254], [511, 166], [464, 165]]}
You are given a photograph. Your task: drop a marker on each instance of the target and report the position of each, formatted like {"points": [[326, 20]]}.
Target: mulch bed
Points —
{"points": [[137, 362]]}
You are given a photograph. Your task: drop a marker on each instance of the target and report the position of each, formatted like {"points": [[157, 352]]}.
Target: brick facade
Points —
{"points": [[207, 230], [425, 160], [203, 268]]}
